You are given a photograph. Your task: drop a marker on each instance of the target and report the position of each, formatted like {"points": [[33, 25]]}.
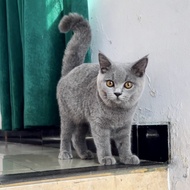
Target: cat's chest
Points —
{"points": [[117, 120], [113, 119]]}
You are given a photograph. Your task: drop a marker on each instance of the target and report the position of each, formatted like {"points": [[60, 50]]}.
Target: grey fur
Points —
{"points": [[78, 45], [85, 100]]}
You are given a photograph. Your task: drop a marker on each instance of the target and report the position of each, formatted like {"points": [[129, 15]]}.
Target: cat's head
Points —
{"points": [[120, 85]]}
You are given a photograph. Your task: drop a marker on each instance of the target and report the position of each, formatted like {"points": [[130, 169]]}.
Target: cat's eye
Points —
{"points": [[109, 83], [128, 85]]}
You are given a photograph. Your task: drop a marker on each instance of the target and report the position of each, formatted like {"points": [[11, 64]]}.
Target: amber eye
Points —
{"points": [[109, 83], [128, 85]]}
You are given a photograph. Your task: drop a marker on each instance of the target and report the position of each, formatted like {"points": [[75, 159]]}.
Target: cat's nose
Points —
{"points": [[117, 94]]}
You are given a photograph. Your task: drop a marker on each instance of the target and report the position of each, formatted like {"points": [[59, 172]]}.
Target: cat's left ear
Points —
{"points": [[104, 63], [140, 66]]}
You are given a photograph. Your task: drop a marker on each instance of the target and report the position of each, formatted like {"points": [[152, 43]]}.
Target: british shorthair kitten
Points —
{"points": [[101, 96]]}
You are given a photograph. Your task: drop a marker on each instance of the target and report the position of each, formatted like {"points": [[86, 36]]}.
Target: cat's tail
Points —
{"points": [[78, 45]]}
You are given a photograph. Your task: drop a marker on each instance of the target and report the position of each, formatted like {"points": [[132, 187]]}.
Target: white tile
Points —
{"points": [[20, 158]]}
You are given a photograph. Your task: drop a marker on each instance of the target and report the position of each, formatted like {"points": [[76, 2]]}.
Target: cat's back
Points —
{"points": [[78, 80], [74, 91]]}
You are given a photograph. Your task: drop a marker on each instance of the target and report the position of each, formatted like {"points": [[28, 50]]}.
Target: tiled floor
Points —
{"points": [[22, 158], [34, 166]]}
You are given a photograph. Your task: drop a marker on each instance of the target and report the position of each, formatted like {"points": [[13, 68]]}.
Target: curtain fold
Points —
{"points": [[5, 104], [15, 55], [31, 50], [42, 67]]}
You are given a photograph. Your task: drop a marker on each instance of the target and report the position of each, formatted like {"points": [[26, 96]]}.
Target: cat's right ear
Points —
{"points": [[104, 63]]}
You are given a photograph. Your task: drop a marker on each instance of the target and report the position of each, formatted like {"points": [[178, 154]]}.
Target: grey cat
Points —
{"points": [[103, 96]]}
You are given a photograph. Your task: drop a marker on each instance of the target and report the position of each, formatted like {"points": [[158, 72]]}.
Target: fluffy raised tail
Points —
{"points": [[78, 45]]}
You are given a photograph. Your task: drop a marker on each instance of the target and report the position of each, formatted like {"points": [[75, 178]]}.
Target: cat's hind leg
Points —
{"points": [[67, 128], [79, 142]]}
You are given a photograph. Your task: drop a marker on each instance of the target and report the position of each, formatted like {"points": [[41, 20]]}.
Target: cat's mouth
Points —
{"points": [[115, 100], [118, 100]]}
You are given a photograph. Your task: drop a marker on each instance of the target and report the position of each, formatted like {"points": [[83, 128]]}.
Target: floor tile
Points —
{"points": [[11, 167], [21, 158], [17, 149]]}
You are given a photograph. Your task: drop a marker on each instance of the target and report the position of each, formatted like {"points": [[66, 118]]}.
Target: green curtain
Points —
{"points": [[31, 50]]}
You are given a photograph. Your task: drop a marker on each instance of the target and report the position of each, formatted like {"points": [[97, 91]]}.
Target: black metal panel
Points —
{"points": [[153, 142]]}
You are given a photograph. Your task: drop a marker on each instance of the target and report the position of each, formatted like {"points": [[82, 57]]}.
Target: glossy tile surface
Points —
{"points": [[22, 158]]}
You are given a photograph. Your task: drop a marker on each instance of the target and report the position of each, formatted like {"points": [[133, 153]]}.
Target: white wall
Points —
{"points": [[126, 30]]}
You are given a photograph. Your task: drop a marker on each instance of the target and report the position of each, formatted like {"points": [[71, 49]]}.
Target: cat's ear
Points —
{"points": [[104, 63], [139, 67]]}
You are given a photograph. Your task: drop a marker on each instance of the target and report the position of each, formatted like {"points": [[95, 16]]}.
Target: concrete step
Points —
{"points": [[132, 178]]}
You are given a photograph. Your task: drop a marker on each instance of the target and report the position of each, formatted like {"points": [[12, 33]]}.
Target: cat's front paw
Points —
{"points": [[107, 160], [87, 155], [64, 155], [132, 159]]}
